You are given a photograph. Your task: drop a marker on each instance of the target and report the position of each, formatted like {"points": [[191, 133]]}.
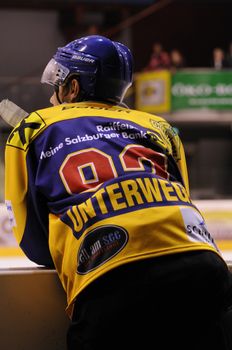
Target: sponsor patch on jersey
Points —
{"points": [[166, 137], [196, 227], [99, 246], [25, 132]]}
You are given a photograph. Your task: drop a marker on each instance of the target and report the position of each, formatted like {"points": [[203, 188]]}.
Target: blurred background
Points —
{"points": [[183, 70]]}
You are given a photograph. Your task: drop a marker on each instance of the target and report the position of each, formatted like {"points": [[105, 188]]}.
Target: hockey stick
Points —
{"points": [[11, 113]]}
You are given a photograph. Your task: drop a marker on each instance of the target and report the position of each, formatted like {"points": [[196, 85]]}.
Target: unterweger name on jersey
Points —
{"points": [[119, 197], [103, 132]]}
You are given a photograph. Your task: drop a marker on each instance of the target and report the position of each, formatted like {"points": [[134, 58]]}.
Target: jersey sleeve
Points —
{"points": [[28, 213]]}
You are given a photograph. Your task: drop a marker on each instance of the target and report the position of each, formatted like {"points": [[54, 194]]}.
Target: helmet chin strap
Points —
{"points": [[57, 96]]}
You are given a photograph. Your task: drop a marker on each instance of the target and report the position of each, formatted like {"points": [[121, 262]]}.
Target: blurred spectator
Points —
{"points": [[93, 29], [159, 58], [177, 60], [218, 58]]}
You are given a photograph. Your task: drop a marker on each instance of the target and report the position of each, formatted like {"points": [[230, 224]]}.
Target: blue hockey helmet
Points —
{"points": [[104, 68]]}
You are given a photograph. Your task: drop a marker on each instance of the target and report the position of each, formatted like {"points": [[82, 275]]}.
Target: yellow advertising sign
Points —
{"points": [[152, 91]]}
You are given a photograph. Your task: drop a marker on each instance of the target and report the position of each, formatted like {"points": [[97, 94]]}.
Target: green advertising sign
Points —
{"points": [[208, 89]]}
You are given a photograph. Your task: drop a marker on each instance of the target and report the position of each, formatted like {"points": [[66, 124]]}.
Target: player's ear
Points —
{"points": [[74, 90]]}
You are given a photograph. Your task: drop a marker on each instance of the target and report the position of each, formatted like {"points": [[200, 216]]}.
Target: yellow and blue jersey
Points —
{"points": [[91, 186]]}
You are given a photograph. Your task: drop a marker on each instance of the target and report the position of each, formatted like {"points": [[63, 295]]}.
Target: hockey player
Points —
{"points": [[100, 192]]}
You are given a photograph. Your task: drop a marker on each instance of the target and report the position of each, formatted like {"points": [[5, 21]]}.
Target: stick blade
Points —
{"points": [[11, 113]]}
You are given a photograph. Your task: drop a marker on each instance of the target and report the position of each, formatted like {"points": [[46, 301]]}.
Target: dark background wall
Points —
{"points": [[193, 27]]}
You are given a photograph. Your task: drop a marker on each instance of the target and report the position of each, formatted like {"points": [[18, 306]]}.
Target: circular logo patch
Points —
{"points": [[100, 245]]}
